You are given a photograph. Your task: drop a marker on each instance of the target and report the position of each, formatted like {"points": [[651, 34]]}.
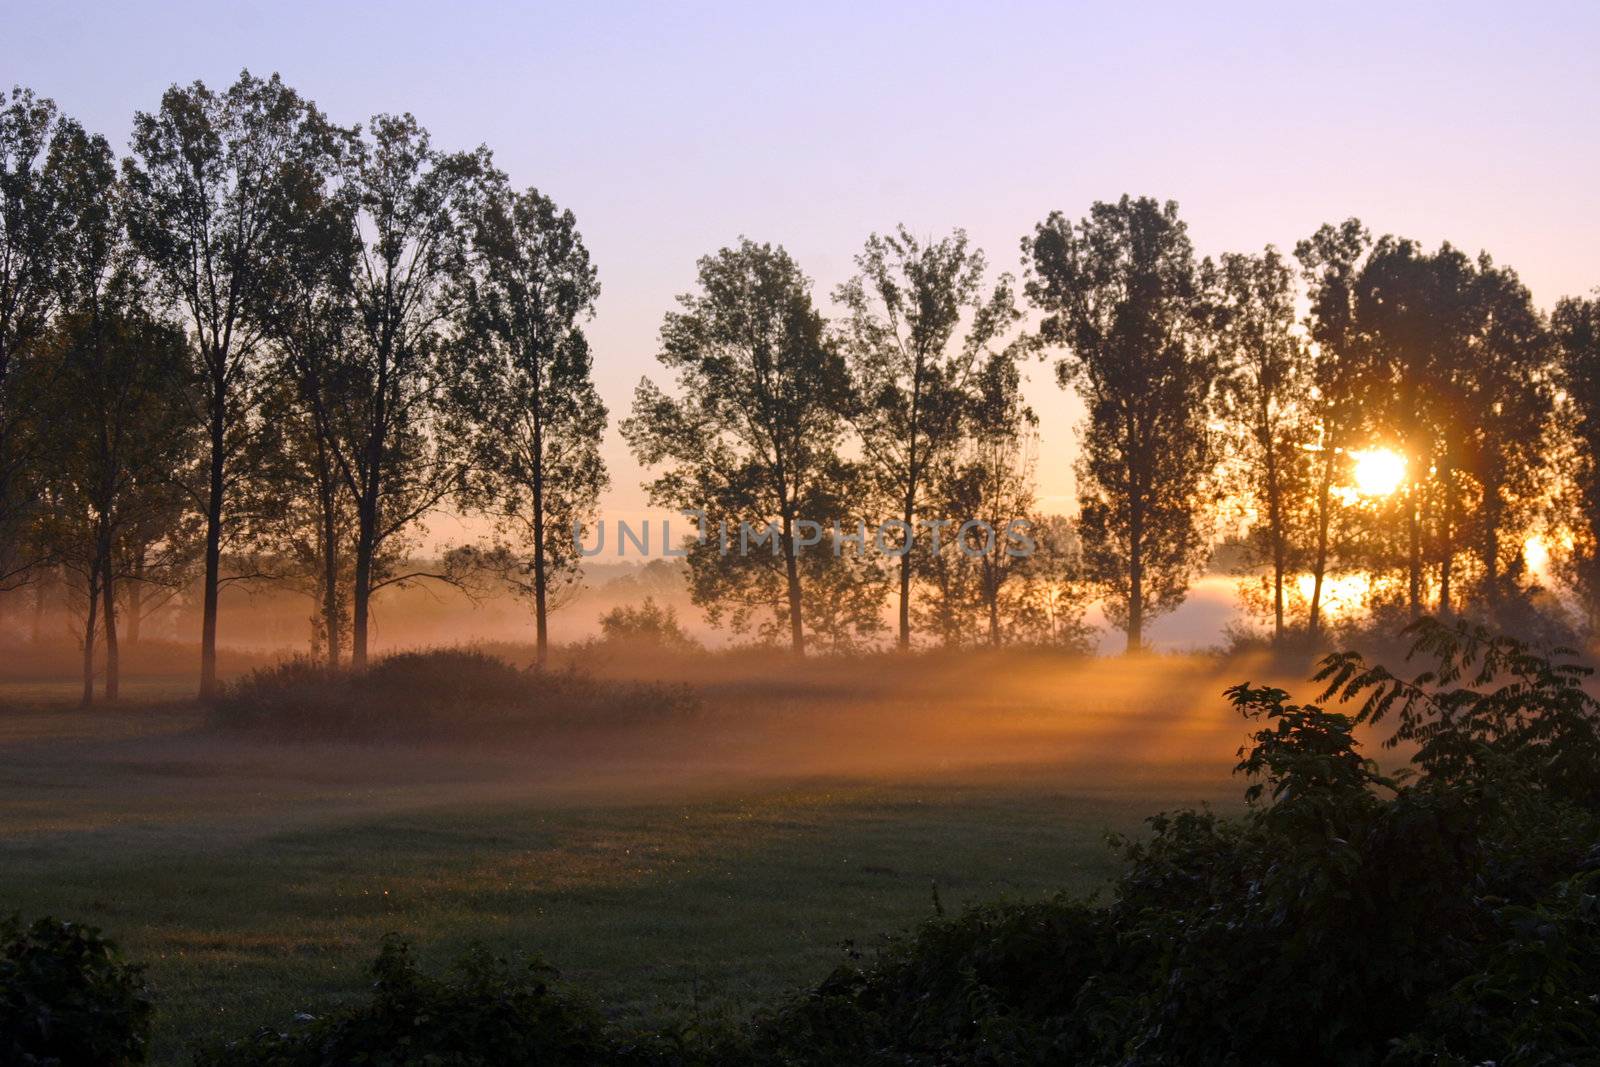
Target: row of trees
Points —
{"points": [[266, 346], [1226, 399]]}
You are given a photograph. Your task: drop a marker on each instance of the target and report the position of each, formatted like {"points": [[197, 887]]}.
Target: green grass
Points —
{"points": [[668, 877]]}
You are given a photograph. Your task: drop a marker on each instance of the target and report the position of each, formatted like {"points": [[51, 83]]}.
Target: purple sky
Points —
{"points": [[671, 129]]}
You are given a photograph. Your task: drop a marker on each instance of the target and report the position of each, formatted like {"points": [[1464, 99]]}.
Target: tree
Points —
{"points": [[989, 481], [1576, 325], [1121, 294], [308, 510], [411, 205], [213, 184], [46, 192], [117, 446], [120, 433], [753, 438], [522, 388], [1509, 406], [911, 365], [309, 316], [1330, 262], [1265, 404]]}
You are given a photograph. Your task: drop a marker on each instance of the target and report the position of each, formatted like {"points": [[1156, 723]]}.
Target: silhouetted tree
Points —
{"points": [[1120, 292], [309, 315], [1505, 427], [120, 430], [48, 187], [989, 480], [1265, 402], [1330, 262], [753, 436], [118, 446], [213, 183], [411, 205], [522, 389], [919, 324], [1576, 325]]}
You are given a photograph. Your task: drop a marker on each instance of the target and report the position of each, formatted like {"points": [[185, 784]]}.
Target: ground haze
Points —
{"points": [[699, 866]]}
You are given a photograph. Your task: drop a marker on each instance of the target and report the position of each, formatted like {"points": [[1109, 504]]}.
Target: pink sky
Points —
{"points": [[672, 129]]}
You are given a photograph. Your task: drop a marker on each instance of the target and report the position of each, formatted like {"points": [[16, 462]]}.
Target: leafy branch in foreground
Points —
{"points": [[1521, 717]]}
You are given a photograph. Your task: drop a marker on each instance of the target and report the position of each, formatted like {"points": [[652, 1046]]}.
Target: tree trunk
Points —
{"points": [[1447, 548], [1491, 551], [367, 510], [797, 633], [208, 617], [1136, 581], [1276, 532], [541, 616], [1414, 519], [41, 596], [91, 623], [1319, 565], [136, 599], [363, 590], [330, 556], [108, 596], [904, 641], [992, 595]]}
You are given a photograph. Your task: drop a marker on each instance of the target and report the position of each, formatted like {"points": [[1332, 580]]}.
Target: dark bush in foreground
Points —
{"points": [[1447, 917], [451, 693], [67, 998], [490, 1011]]}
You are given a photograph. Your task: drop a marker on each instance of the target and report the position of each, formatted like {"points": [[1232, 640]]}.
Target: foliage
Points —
{"points": [[523, 391], [919, 330], [491, 1011], [1350, 917], [1265, 400], [1121, 295], [67, 997], [445, 693], [649, 623], [752, 438]]}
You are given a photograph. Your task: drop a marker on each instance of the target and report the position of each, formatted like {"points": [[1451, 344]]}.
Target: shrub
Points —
{"points": [[448, 693], [66, 997], [1448, 916], [647, 624], [490, 1011]]}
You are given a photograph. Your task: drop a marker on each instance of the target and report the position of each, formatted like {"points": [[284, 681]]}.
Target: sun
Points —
{"points": [[1378, 471]]}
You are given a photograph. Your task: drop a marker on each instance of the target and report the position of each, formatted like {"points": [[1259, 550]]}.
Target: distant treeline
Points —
{"points": [[265, 347]]}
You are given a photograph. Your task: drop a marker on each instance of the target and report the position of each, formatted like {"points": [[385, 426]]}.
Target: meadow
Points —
{"points": [[692, 869]]}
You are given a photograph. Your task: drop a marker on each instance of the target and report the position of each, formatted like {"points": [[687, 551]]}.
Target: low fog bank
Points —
{"points": [[41, 626]]}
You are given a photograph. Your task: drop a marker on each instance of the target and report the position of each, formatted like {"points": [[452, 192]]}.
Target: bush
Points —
{"points": [[67, 998], [1447, 916], [648, 624], [491, 1011], [447, 693]]}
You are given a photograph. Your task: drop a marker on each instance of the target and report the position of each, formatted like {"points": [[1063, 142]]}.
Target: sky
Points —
{"points": [[672, 129]]}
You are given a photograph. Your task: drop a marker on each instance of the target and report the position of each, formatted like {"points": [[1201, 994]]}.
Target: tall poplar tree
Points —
{"points": [[919, 324], [523, 392], [754, 432], [213, 184], [1265, 401], [1121, 296]]}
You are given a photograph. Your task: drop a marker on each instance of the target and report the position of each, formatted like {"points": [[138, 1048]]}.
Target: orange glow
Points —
{"points": [[1378, 471]]}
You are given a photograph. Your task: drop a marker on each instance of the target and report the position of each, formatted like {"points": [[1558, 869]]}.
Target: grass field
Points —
{"points": [[697, 868]]}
